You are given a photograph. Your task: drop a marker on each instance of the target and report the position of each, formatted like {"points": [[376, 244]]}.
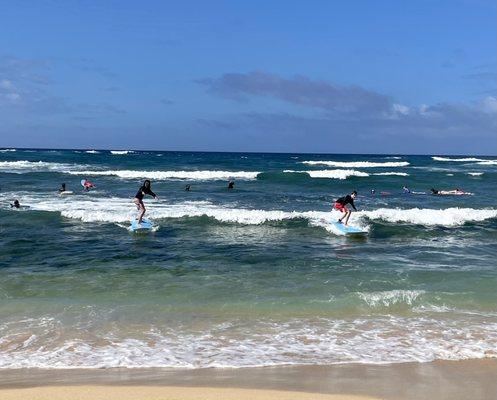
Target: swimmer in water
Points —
{"points": [[87, 185], [187, 188], [231, 184], [341, 203], [16, 204], [62, 188], [138, 200]]}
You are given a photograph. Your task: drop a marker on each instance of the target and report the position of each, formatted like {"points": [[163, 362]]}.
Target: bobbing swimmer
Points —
{"points": [[16, 204], [87, 185], [144, 189]]}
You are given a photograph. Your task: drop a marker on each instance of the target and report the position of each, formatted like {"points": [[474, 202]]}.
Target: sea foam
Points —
{"points": [[358, 164]]}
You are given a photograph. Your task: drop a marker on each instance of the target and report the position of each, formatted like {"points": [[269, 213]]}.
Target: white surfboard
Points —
{"points": [[66, 192]]}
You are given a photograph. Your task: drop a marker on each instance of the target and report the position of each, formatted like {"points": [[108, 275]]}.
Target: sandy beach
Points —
{"points": [[453, 380], [161, 393]]}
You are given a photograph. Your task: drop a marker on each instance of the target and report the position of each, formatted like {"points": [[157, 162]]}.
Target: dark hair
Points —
{"points": [[354, 192], [146, 181]]}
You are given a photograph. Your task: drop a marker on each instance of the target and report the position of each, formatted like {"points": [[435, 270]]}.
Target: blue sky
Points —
{"points": [[319, 76]]}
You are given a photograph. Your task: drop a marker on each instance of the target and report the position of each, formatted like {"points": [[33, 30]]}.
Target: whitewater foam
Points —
{"points": [[24, 166], [391, 174], [118, 210], [358, 164], [465, 159], [121, 152], [238, 343], [331, 173], [391, 297], [487, 162], [166, 175], [446, 217]]}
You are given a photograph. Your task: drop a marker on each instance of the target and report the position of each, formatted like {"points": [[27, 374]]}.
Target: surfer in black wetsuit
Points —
{"points": [[231, 184], [16, 204], [341, 203], [144, 189]]}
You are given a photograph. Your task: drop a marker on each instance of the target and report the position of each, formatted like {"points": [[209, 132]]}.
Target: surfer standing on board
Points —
{"points": [[341, 203], [144, 189]]}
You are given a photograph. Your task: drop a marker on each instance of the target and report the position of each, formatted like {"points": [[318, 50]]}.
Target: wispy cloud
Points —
{"points": [[26, 86], [352, 113], [300, 90]]}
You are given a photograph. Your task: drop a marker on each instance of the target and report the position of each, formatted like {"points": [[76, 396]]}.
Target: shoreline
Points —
{"points": [[473, 379]]}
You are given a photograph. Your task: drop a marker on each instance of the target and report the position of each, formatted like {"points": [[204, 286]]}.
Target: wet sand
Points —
{"points": [[472, 379]]}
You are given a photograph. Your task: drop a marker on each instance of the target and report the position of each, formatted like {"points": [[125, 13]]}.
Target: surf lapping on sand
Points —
{"points": [[40, 343]]}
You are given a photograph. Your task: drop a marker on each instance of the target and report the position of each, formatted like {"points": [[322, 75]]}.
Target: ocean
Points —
{"points": [[254, 276]]}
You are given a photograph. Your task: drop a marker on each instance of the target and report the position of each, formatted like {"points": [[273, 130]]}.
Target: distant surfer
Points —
{"points": [[457, 192], [231, 184], [87, 185], [187, 188], [406, 190], [16, 204], [373, 192], [341, 205], [144, 189], [62, 188]]}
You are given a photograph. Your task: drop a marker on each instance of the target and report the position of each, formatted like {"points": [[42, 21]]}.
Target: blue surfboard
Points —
{"points": [[349, 230], [145, 225]]}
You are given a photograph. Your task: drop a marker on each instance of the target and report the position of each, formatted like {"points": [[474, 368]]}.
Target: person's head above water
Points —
{"points": [[146, 183], [354, 194], [434, 191], [16, 204]]}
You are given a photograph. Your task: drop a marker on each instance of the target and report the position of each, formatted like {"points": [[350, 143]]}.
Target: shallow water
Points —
{"points": [[249, 277]]}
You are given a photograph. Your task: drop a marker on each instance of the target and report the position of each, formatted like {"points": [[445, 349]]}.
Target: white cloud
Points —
{"points": [[489, 105]]}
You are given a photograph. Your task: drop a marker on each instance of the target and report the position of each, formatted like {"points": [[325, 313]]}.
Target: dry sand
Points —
{"points": [[160, 393]]}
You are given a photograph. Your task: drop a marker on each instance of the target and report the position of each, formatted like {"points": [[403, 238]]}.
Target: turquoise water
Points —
{"points": [[248, 277]]}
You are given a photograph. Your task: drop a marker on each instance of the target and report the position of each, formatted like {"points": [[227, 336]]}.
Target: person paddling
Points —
{"points": [[87, 185], [138, 200], [341, 204]]}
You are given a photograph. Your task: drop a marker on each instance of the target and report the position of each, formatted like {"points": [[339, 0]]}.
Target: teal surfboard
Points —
{"points": [[349, 230], [145, 225]]}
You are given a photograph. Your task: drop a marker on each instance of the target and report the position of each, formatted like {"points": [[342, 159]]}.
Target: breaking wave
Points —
{"points": [[331, 174], [358, 164], [465, 159], [118, 210], [164, 175]]}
